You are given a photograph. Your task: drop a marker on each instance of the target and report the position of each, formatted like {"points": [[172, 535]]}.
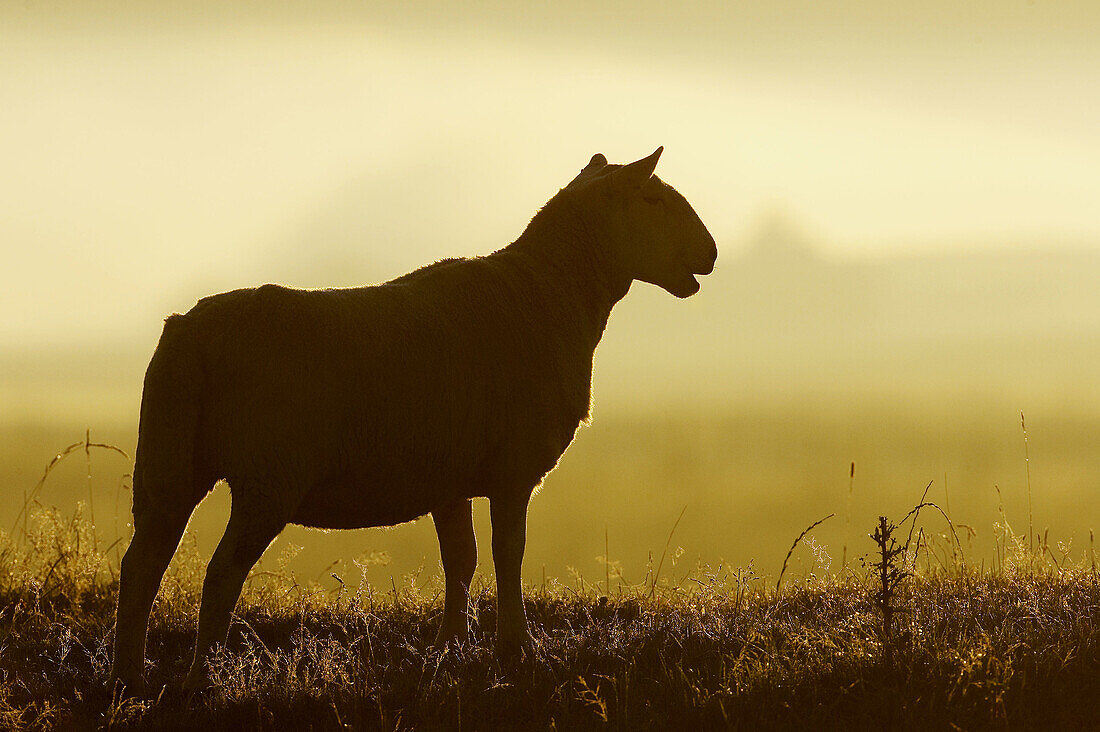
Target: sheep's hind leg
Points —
{"points": [[454, 526], [254, 521], [509, 517], [157, 534]]}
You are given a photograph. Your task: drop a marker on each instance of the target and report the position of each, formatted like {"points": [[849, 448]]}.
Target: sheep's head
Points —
{"points": [[654, 233]]}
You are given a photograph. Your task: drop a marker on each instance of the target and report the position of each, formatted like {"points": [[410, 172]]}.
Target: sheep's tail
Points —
{"points": [[164, 470]]}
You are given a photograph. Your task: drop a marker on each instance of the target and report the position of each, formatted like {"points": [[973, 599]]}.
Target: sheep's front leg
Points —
{"points": [[509, 518], [454, 525]]}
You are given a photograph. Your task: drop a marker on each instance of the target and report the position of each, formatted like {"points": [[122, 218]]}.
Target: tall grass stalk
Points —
{"points": [[668, 543], [801, 536], [1027, 470], [86, 444], [848, 515]]}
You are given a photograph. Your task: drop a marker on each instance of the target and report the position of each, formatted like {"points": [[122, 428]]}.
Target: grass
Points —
{"points": [[918, 638], [1019, 648]]}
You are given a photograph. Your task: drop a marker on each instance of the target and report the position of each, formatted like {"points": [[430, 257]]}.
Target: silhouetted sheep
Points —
{"points": [[376, 405]]}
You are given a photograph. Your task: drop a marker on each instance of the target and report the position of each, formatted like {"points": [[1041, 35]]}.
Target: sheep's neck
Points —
{"points": [[577, 273]]}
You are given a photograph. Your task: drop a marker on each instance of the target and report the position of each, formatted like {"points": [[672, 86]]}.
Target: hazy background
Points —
{"points": [[904, 196]]}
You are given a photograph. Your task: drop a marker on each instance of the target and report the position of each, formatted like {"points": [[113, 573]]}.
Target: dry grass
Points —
{"points": [[1019, 648], [944, 643]]}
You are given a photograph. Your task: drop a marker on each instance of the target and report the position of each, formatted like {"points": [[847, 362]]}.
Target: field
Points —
{"points": [[989, 626], [1018, 648]]}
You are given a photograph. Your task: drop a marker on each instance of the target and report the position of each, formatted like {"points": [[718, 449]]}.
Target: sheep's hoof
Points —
{"points": [[196, 683], [514, 645], [448, 636], [127, 686]]}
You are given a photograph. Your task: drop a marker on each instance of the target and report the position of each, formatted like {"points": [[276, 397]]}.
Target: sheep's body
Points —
{"points": [[370, 406], [373, 406]]}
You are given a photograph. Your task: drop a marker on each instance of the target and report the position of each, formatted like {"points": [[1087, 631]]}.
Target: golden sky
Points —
{"points": [[152, 154]]}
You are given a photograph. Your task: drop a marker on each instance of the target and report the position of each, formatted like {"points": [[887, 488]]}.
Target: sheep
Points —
{"points": [[373, 406]]}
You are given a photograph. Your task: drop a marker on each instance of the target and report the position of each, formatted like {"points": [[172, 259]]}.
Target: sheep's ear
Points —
{"points": [[632, 177], [597, 161]]}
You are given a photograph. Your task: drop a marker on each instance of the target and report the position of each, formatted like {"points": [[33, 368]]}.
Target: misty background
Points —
{"points": [[904, 197]]}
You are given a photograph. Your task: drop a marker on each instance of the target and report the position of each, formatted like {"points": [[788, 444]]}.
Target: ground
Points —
{"points": [[1017, 648]]}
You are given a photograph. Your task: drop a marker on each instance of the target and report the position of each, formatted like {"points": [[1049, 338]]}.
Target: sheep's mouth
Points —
{"points": [[689, 286], [701, 268], [688, 277]]}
